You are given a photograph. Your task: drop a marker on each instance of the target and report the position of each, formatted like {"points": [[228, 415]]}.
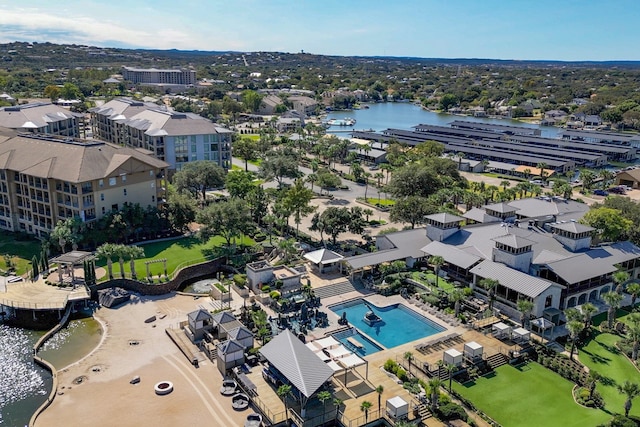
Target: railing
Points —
{"points": [[274, 418], [34, 306]]}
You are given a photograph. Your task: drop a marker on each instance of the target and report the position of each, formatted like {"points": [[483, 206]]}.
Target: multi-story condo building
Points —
{"points": [[41, 117], [176, 138], [153, 76], [45, 178]]}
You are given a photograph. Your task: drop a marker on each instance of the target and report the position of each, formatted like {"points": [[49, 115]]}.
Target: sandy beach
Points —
{"points": [[95, 391]]}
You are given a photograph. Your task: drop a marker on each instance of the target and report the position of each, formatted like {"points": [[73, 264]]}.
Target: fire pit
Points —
{"points": [[163, 387]]}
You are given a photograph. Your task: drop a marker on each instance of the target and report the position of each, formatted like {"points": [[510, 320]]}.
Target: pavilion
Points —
{"points": [[71, 259]]}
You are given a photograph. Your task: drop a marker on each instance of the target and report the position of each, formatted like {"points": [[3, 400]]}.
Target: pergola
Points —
{"points": [[72, 259], [322, 258]]}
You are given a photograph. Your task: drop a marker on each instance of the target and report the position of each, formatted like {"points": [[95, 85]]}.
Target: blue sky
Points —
{"points": [[514, 29]]}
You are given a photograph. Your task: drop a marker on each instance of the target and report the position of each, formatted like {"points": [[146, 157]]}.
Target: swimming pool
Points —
{"points": [[347, 339], [399, 324]]}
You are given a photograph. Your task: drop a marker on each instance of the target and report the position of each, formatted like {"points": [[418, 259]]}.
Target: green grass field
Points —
{"points": [[529, 396], [428, 277], [21, 251], [177, 253]]}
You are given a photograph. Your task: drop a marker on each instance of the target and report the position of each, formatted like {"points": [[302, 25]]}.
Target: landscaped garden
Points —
{"points": [[530, 395], [601, 354], [428, 279], [17, 251], [178, 253]]}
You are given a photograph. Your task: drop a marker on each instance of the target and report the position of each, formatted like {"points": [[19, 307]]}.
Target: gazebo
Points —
{"points": [[501, 330], [298, 365], [71, 259], [540, 325], [521, 335], [324, 259]]}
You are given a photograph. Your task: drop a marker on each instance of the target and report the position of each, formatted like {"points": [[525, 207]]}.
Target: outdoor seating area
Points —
{"points": [[435, 311], [439, 343]]}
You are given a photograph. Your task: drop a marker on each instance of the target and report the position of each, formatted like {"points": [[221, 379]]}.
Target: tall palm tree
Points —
{"points": [[364, 407], [633, 333], [525, 307], [613, 300], [490, 286], [283, 392], [588, 310], [619, 278], [450, 368], [543, 171], [436, 261], [633, 289], [107, 251], [631, 391], [594, 377], [408, 356], [456, 296], [323, 396], [120, 251], [505, 183], [606, 176], [134, 253], [434, 387], [337, 403], [380, 390], [574, 327]]}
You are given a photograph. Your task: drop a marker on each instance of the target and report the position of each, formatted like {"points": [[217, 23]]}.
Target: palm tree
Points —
{"points": [[613, 300], [633, 333], [366, 175], [574, 327], [505, 183], [434, 387], [606, 175], [364, 407], [450, 368], [543, 171], [588, 310], [120, 251], [408, 356], [594, 377], [283, 392], [631, 391], [107, 251], [525, 307], [312, 178], [337, 402], [456, 296], [619, 278], [490, 286], [380, 390], [134, 253], [436, 261], [633, 289], [323, 396]]}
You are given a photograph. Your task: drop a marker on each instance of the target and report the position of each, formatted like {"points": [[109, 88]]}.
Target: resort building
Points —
{"points": [[532, 247], [154, 77], [44, 179], [304, 105], [176, 138], [41, 117]]}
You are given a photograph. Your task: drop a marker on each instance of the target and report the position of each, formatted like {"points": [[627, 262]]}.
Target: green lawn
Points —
{"points": [[529, 396], [601, 354], [177, 252], [21, 251], [428, 277]]}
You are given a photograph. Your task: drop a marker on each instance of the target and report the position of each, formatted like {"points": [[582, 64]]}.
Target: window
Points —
{"points": [[101, 183], [124, 178], [102, 197], [153, 185], [124, 190], [103, 210], [153, 198], [112, 181], [151, 173]]}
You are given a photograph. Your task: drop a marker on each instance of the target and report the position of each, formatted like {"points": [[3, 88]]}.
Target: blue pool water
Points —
{"points": [[368, 346], [399, 324]]}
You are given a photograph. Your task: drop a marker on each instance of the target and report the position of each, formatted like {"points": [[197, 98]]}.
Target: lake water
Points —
{"points": [[24, 386], [404, 115]]}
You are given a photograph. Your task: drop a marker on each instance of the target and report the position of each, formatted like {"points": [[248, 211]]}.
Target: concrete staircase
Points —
{"points": [[334, 289], [424, 412], [497, 360]]}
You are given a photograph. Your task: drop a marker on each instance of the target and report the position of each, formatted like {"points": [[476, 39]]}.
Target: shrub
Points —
{"points": [[402, 375], [240, 280], [260, 237], [622, 421], [452, 411], [391, 366], [265, 288], [274, 295]]}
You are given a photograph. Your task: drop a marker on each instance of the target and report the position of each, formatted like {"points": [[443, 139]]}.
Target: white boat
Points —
{"points": [[347, 121]]}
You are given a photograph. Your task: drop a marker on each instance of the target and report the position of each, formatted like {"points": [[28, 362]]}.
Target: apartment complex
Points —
{"points": [[41, 117], [153, 76], [176, 138], [45, 178]]}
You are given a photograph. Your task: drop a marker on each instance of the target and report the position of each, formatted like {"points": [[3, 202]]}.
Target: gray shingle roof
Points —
{"points": [[513, 279], [39, 114], [583, 266], [501, 207], [306, 371], [479, 215], [223, 317], [199, 315], [240, 333], [230, 346]]}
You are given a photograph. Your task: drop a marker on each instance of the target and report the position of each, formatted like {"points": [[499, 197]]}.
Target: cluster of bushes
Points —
{"points": [[451, 411], [585, 398], [397, 370], [566, 368], [622, 421], [240, 280]]}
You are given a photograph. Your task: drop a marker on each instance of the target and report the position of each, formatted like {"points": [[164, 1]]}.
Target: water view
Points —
{"points": [[404, 115], [24, 385]]}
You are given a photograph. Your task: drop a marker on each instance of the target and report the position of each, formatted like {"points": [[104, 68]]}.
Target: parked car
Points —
{"points": [[617, 190], [601, 193], [536, 181]]}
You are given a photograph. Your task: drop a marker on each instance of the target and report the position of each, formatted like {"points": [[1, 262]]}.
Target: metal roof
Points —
{"points": [[200, 314], [444, 218], [451, 254], [479, 215], [323, 256], [513, 279], [573, 227], [514, 241], [583, 266], [306, 371], [502, 207]]}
